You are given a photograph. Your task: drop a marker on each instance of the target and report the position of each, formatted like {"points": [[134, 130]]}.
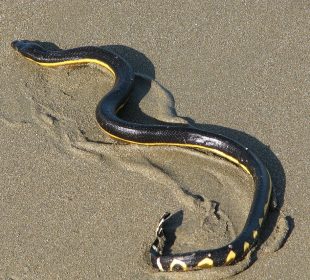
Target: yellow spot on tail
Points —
{"points": [[255, 233], [180, 263], [260, 221], [246, 246], [230, 257], [205, 263]]}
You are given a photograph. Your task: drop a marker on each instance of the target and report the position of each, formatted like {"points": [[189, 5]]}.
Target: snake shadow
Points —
{"points": [[132, 112]]}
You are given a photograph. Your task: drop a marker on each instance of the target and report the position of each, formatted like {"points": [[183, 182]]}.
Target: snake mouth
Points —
{"points": [[16, 44]]}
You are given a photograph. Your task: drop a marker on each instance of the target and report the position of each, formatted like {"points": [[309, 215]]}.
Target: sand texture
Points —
{"points": [[76, 204]]}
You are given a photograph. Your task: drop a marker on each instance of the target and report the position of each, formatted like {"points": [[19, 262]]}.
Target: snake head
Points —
{"points": [[29, 49]]}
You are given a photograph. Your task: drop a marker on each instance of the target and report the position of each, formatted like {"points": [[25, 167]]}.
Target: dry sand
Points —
{"points": [[77, 205]]}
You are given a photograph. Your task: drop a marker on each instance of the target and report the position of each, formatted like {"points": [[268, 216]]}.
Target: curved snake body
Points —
{"points": [[177, 135]]}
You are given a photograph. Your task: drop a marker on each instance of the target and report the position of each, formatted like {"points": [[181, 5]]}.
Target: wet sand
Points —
{"points": [[76, 204]]}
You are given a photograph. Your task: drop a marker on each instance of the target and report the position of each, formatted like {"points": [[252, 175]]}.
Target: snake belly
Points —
{"points": [[167, 134]]}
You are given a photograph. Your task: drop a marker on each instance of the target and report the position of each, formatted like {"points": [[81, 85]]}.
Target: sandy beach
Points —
{"points": [[76, 204]]}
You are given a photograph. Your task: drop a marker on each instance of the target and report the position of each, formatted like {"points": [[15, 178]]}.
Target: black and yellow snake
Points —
{"points": [[176, 135]]}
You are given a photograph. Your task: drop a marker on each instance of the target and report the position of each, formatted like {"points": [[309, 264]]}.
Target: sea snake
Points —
{"points": [[171, 135]]}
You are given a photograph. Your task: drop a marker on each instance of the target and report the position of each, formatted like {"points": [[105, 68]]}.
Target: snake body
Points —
{"points": [[167, 134]]}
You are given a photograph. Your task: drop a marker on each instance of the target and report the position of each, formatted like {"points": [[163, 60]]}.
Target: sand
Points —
{"points": [[75, 204]]}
